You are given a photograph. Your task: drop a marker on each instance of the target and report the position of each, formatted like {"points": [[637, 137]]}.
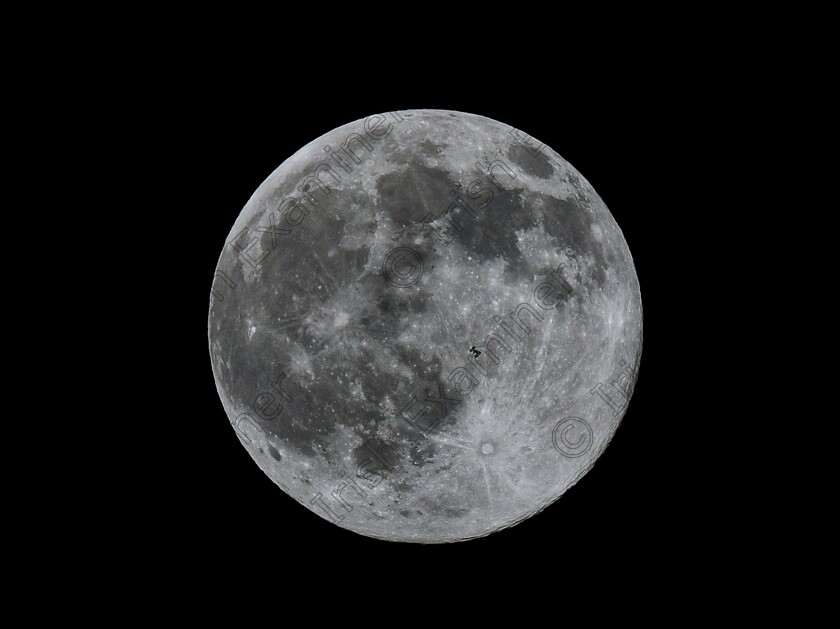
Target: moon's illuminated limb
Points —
{"points": [[425, 326]]}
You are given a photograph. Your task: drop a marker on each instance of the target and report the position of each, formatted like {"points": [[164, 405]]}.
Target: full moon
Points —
{"points": [[425, 326]]}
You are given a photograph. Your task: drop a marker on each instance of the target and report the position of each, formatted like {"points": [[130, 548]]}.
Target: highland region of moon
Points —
{"points": [[425, 326]]}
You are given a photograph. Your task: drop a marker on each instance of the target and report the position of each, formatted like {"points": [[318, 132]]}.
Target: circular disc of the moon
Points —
{"points": [[425, 326]]}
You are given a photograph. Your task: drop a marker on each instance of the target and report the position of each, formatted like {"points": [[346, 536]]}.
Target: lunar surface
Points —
{"points": [[425, 326]]}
